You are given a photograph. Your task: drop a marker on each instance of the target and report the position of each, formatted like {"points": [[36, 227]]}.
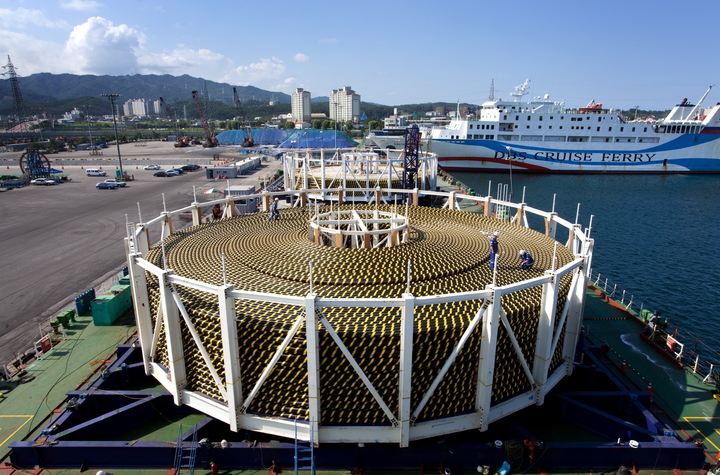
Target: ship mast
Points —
{"points": [[520, 90], [697, 106]]}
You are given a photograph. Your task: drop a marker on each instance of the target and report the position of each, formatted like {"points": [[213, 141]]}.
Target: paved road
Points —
{"points": [[58, 241]]}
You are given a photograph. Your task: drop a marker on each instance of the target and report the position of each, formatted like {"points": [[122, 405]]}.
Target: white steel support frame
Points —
{"points": [[357, 176], [407, 324], [231, 356], [235, 402]]}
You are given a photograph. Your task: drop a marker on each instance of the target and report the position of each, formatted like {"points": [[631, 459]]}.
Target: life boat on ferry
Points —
{"points": [[592, 108]]}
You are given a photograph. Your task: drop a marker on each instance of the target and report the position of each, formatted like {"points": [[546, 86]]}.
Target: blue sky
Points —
{"points": [[623, 53]]}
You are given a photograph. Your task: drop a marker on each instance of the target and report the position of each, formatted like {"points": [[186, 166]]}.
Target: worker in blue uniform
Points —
{"points": [[527, 260], [274, 213], [493, 249]]}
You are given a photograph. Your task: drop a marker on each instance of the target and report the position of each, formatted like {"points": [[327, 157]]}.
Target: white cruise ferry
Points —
{"points": [[542, 136]]}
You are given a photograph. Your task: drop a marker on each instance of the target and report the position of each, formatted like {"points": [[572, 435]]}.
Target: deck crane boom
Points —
{"points": [[210, 141]]}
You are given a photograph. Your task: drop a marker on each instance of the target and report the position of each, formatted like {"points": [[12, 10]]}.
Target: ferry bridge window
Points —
{"points": [[644, 129], [492, 126], [609, 129], [622, 129], [489, 137], [598, 129], [471, 126], [561, 127], [541, 117], [529, 117], [633, 129], [517, 117]]}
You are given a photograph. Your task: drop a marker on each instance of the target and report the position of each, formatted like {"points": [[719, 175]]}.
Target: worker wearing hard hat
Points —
{"points": [[494, 248], [527, 260], [274, 213]]}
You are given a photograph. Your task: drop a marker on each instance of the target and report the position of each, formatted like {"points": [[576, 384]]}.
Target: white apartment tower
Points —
{"points": [[344, 105], [142, 108], [300, 105]]}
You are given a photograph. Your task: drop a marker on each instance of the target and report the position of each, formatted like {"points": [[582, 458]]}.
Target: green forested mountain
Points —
{"points": [[46, 86], [59, 93]]}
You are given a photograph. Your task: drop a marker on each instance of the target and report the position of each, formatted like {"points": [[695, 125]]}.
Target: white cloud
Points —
{"points": [[97, 46], [287, 84], [183, 60], [80, 5], [255, 73], [301, 58], [31, 55], [23, 17]]}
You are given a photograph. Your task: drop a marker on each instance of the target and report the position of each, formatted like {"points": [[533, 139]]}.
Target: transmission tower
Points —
{"points": [[17, 96]]}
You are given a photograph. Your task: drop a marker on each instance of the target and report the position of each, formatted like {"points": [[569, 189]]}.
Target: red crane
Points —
{"points": [[210, 140]]}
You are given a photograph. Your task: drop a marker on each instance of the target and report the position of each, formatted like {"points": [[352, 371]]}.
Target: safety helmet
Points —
{"points": [[522, 252], [276, 199], [496, 233]]}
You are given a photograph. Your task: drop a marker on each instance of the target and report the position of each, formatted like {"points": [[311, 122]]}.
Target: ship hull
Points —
{"points": [[688, 153]]}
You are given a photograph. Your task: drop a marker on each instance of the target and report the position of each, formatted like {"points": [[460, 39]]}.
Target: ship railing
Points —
{"points": [[701, 359]]}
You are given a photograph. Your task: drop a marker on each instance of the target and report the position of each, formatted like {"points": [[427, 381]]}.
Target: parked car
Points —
{"points": [[178, 170], [172, 172], [190, 167], [165, 173], [95, 172], [119, 183], [43, 181], [103, 185], [152, 167]]}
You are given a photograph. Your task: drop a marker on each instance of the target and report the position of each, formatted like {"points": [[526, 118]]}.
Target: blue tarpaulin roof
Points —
{"points": [[260, 136], [289, 138], [314, 138]]}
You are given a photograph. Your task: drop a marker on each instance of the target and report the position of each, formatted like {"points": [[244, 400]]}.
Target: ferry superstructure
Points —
{"points": [[543, 136]]}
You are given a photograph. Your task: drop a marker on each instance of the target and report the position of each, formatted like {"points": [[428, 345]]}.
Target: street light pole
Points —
{"points": [[117, 141]]}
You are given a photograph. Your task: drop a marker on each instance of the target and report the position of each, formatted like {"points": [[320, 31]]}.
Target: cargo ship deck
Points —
{"points": [[74, 369]]}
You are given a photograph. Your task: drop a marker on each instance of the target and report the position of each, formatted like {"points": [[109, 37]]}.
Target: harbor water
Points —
{"points": [[656, 236]]}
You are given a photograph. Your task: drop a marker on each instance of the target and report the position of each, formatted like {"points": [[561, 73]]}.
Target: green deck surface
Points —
{"points": [[681, 399], [25, 407]]}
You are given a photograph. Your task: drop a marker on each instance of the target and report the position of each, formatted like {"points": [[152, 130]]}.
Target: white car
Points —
{"points": [[152, 167], [119, 183], [43, 181]]}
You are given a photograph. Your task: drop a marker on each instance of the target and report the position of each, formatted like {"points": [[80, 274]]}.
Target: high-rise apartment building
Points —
{"points": [[344, 105], [142, 108], [301, 105]]}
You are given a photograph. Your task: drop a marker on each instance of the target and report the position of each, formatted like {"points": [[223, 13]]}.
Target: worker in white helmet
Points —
{"points": [[494, 248], [527, 260], [274, 213]]}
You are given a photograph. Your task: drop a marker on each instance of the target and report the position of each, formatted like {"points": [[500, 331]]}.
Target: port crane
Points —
{"points": [[179, 141], [248, 142], [210, 140]]}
